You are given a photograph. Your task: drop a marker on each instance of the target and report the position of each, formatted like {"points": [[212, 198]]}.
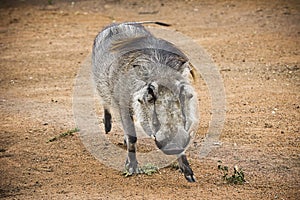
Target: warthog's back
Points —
{"points": [[115, 52]]}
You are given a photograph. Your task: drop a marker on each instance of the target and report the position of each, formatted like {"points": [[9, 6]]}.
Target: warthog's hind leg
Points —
{"points": [[107, 121], [185, 168]]}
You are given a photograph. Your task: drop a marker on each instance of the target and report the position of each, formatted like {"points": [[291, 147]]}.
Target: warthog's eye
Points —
{"points": [[140, 101], [150, 97], [149, 94]]}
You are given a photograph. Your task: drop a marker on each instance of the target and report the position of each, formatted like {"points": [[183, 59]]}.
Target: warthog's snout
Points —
{"points": [[175, 144]]}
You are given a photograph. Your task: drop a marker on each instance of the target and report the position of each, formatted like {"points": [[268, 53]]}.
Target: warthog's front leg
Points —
{"points": [[185, 168], [131, 164]]}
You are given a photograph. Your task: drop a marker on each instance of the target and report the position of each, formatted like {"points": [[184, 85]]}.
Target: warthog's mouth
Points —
{"points": [[170, 150]]}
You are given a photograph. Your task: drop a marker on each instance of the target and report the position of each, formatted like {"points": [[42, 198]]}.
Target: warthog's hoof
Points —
{"points": [[190, 178], [132, 168]]}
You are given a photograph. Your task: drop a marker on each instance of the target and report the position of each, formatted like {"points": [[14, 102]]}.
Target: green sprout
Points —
{"points": [[65, 134], [237, 177], [147, 169]]}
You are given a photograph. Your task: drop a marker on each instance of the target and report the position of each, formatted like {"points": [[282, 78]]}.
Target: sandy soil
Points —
{"points": [[255, 45]]}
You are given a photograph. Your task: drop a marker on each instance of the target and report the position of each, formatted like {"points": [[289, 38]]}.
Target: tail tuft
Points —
{"points": [[162, 24], [149, 22]]}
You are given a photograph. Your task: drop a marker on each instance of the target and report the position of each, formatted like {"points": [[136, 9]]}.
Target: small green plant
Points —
{"points": [[65, 134], [237, 177], [50, 2], [147, 169], [126, 173]]}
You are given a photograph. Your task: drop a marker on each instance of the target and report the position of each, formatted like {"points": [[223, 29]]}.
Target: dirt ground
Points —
{"points": [[255, 45]]}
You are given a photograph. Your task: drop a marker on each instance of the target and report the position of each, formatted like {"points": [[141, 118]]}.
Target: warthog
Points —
{"points": [[148, 80]]}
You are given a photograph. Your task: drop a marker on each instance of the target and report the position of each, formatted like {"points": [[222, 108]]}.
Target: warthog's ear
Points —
{"points": [[189, 71]]}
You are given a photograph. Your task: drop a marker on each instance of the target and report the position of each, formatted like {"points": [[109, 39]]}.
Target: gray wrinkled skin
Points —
{"points": [[146, 79]]}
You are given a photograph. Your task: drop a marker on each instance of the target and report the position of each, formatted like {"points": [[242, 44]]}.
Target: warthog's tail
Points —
{"points": [[148, 22]]}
